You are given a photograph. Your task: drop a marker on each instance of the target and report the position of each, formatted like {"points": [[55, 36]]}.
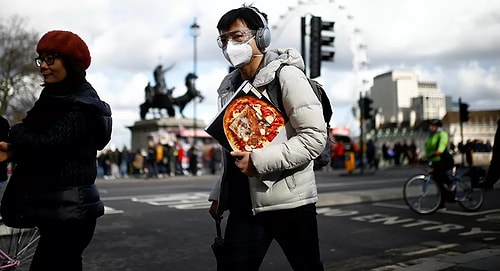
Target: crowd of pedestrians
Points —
{"points": [[158, 160], [400, 153], [388, 154]]}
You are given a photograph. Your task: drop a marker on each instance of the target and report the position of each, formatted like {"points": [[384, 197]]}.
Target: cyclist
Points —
{"points": [[436, 151]]}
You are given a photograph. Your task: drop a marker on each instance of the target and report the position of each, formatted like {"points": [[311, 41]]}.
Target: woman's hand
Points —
{"points": [[5, 152], [4, 146]]}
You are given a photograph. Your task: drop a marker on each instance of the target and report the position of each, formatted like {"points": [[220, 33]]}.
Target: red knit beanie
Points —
{"points": [[67, 44]]}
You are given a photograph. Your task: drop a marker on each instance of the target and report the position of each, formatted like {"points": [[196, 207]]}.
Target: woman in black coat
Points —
{"points": [[54, 150], [4, 132]]}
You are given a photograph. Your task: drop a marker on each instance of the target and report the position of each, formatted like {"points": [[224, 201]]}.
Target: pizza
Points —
{"points": [[251, 123]]}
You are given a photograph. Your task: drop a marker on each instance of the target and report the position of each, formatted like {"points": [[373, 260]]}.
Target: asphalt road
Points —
{"points": [[363, 223]]}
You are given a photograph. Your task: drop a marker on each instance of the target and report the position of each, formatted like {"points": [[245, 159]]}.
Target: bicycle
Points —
{"points": [[17, 247], [423, 194]]}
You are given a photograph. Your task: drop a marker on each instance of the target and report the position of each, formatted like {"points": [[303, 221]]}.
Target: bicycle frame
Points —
{"points": [[427, 179], [428, 175], [6, 261]]}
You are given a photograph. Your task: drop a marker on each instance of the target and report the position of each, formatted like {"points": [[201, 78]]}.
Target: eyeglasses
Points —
{"points": [[48, 59], [238, 36]]}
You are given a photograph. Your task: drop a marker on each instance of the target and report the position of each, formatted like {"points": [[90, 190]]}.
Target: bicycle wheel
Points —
{"points": [[468, 196], [422, 194], [18, 247]]}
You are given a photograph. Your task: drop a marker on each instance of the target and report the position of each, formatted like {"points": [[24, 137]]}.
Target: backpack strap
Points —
{"points": [[275, 94], [325, 101]]}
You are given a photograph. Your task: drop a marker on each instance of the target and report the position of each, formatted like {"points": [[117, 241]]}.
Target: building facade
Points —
{"points": [[404, 105], [400, 98]]}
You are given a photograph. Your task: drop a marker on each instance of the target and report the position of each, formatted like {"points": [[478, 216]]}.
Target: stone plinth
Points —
{"points": [[167, 128]]}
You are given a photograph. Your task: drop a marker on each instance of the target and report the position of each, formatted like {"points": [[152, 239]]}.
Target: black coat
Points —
{"points": [[494, 169], [4, 132], [55, 151]]}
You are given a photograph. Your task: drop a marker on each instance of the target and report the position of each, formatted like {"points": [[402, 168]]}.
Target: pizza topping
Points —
{"points": [[252, 124], [250, 127]]}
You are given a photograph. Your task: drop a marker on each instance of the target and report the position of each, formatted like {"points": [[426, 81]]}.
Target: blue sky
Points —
{"points": [[455, 43]]}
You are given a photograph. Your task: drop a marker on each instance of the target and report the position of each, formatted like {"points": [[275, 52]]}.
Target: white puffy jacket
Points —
{"points": [[290, 160]]}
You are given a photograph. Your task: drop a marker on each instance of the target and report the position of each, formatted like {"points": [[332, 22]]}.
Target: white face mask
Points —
{"points": [[238, 54]]}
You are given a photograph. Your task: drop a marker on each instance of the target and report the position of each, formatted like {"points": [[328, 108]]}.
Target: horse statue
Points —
{"points": [[159, 101], [191, 93], [158, 96]]}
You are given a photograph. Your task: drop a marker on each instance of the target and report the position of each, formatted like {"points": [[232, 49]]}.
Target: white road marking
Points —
{"points": [[434, 249], [184, 201]]}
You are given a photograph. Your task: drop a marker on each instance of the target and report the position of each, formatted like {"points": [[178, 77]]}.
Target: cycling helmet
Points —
{"points": [[437, 122]]}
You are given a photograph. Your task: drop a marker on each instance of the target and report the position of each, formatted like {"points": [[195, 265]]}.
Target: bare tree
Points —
{"points": [[19, 79]]}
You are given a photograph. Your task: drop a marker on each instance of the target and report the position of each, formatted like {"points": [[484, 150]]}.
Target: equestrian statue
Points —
{"points": [[160, 96]]}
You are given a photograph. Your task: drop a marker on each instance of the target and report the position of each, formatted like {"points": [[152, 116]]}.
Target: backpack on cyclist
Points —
{"points": [[275, 96]]}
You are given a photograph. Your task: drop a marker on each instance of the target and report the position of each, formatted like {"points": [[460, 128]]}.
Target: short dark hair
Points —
{"points": [[246, 13]]}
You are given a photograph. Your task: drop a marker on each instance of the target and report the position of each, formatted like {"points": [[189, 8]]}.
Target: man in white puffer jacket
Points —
{"points": [[261, 206]]}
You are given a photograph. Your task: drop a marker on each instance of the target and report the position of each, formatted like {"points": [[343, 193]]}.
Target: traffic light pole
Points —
{"points": [[461, 128], [361, 134], [365, 108], [303, 41]]}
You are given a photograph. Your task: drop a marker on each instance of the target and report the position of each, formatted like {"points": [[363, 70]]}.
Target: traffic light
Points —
{"points": [[327, 40], [367, 108], [320, 44], [464, 112], [315, 47]]}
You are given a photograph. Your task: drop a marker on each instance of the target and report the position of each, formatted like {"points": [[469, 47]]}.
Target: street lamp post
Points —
{"points": [[195, 32]]}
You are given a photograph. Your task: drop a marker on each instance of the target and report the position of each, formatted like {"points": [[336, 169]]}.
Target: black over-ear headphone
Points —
{"points": [[263, 34]]}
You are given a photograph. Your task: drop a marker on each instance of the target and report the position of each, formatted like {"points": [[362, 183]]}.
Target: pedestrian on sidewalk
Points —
{"points": [[263, 208], [54, 149], [4, 133]]}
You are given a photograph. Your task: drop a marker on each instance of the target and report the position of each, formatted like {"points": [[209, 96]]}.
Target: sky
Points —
{"points": [[453, 43]]}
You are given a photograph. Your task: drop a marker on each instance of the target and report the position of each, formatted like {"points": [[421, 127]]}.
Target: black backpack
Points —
{"points": [[275, 96]]}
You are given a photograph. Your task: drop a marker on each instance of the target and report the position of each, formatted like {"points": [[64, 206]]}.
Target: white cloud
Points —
{"points": [[453, 43]]}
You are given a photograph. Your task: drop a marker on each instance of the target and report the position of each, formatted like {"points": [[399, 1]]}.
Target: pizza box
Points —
{"points": [[248, 121]]}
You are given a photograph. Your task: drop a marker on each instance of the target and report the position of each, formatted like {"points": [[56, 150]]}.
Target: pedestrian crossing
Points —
{"points": [[181, 201]]}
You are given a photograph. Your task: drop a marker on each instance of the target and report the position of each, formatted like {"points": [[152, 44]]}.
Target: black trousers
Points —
{"points": [[441, 177], [61, 245], [248, 237]]}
